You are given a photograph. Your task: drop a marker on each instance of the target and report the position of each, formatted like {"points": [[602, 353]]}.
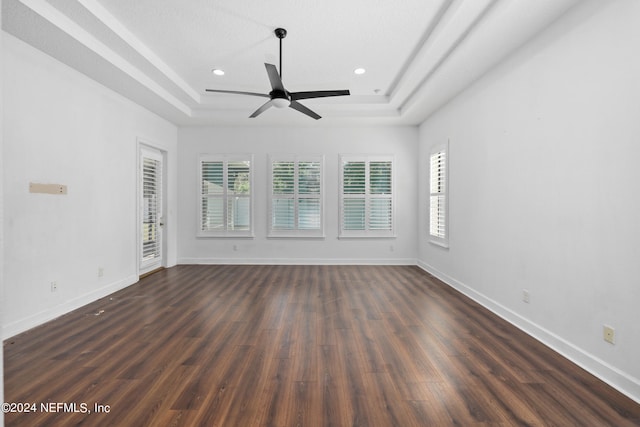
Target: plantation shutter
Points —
{"points": [[381, 201], [309, 196], [296, 196], [238, 196], [212, 207], [283, 198], [151, 211], [366, 197], [225, 196], [438, 196], [354, 195]]}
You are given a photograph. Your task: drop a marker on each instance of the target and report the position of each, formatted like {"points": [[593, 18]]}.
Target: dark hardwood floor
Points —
{"points": [[296, 346]]}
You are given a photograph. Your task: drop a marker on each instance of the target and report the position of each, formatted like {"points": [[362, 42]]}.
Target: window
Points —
{"points": [[225, 196], [366, 196], [438, 197], [295, 202]]}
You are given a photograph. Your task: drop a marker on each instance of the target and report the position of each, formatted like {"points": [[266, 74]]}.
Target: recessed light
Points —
{"points": [[218, 72], [359, 71]]}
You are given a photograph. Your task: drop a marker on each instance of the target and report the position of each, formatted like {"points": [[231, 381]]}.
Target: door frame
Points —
{"points": [[141, 146]]}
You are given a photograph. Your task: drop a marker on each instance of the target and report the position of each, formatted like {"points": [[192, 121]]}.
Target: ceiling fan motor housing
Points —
{"points": [[279, 98]]}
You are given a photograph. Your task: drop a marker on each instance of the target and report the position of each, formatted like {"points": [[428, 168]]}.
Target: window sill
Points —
{"points": [[293, 236], [366, 237], [442, 244], [225, 236]]}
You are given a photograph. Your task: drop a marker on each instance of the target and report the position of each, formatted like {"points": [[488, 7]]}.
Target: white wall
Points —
{"points": [[544, 189], [61, 127], [262, 141]]}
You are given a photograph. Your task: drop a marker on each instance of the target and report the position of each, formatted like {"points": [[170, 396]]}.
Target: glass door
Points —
{"points": [[151, 211]]}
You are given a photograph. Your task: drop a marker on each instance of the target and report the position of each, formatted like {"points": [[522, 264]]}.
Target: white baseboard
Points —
{"points": [[297, 261], [22, 325], [621, 381]]}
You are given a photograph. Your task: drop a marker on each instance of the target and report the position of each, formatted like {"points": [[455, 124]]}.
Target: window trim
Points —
{"points": [[442, 241], [226, 158], [367, 233], [295, 232]]}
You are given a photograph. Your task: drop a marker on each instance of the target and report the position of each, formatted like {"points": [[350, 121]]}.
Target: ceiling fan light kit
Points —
{"points": [[281, 102], [279, 97]]}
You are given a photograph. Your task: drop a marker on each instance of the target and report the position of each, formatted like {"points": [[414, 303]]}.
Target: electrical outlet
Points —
{"points": [[609, 334], [54, 286], [525, 296], [100, 271]]}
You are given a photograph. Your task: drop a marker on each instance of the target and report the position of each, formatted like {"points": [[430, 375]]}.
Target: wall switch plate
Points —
{"points": [[54, 286], [525, 296], [609, 334]]}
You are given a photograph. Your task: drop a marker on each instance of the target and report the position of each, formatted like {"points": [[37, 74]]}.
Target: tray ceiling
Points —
{"points": [[417, 54]]}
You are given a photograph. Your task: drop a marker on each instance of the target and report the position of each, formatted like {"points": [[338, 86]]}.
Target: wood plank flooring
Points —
{"points": [[296, 346]]}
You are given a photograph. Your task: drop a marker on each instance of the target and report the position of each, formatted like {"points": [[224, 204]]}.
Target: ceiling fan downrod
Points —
{"points": [[280, 33]]}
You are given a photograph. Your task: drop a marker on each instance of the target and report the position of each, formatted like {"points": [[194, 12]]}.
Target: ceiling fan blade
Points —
{"points": [[304, 110], [237, 92], [274, 77], [261, 110], [318, 94]]}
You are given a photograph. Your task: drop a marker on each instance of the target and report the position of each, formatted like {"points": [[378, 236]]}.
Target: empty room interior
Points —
{"points": [[245, 213]]}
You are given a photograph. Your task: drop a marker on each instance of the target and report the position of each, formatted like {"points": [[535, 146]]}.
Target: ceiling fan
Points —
{"points": [[279, 97]]}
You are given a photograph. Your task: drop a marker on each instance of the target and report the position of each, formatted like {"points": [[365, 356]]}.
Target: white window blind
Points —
{"points": [[438, 200], [366, 196], [225, 196], [295, 202]]}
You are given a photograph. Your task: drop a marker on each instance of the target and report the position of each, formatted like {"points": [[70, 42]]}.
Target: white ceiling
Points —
{"points": [[418, 53]]}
